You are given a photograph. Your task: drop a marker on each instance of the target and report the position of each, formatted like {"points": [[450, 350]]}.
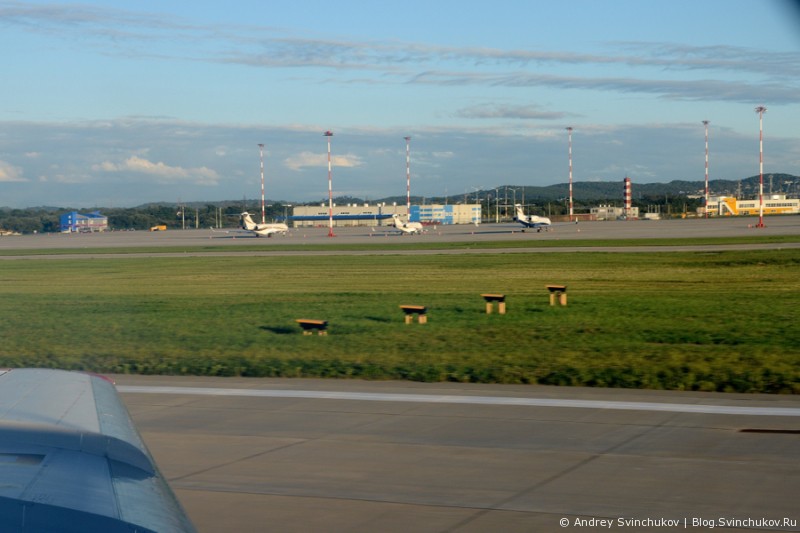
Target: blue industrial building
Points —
{"points": [[75, 222], [446, 214]]}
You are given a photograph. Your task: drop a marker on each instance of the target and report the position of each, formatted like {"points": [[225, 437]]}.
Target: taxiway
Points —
{"points": [[316, 455], [208, 242]]}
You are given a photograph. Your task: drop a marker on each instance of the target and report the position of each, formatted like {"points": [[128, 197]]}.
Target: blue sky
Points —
{"points": [[121, 103]]}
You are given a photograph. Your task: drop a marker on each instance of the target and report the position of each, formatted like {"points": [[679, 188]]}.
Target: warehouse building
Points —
{"points": [[75, 222], [776, 204], [610, 212], [304, 216], [446, 214], [381, 214]]}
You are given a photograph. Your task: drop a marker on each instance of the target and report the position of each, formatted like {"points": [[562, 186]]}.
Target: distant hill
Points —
{"points": [[582, 191], [594, 191], [588, 191]]}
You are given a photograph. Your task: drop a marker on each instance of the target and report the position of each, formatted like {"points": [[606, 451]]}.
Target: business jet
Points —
{"points": [[537, 223], [409, 228], [532, 221], [261, 230]]}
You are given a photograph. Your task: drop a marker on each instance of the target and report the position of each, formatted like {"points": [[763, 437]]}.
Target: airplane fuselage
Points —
{"points": [[262, 230], [410, 228]]}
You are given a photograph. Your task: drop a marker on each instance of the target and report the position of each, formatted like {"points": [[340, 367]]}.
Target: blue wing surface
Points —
{"points": [[71, 459]]}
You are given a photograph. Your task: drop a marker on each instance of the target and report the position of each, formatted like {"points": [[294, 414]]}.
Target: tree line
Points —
{"points": [[48, 219], [142, 218]]}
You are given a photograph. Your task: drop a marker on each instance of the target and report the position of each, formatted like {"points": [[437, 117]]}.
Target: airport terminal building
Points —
{"points": [[381, 214]]}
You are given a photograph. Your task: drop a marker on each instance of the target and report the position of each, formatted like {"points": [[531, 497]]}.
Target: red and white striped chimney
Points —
{"points": [[626, 196]]}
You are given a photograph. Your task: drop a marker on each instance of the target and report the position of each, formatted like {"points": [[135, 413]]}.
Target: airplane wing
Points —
{"points": [[229, 231], [72, 460], [237, 231], [541, 226], [528, 224]]}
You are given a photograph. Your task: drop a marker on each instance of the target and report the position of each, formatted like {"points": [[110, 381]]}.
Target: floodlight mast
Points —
{"points": [[569, 131], [761, 110], [408, 178], [705, 123], [328, 134], [261, 155]]}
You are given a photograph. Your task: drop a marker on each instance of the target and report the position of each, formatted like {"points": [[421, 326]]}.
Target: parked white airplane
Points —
{"points": [[532, 221], [261, 230], [406, 227]]}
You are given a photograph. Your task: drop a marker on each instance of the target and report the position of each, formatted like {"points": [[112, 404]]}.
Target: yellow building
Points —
{"points": [[776, 204]]}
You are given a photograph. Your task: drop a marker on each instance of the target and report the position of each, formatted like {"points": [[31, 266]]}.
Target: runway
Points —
{"points": [[209, 243], [355, 456], [511, 232]]}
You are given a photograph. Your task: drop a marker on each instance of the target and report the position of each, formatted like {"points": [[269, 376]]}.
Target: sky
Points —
{"points": [[116, 104]]}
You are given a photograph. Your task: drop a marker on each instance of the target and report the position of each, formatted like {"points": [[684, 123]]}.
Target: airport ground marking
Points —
{"points": [[464, 399]]}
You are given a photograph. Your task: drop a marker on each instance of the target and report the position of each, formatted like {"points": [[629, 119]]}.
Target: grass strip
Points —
{"points": [[711, 321], [413, 245]]}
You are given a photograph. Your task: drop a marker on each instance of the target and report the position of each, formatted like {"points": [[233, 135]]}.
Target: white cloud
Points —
{"points": [[72, 178], [106, 166], [201, 175], [313, 159], [10, 173], [494, 111]]}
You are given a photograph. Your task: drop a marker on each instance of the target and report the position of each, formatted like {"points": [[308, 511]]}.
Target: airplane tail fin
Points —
{"points": [[247, 221]]}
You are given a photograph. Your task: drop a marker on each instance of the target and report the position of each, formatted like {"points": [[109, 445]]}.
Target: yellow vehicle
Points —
{"points": [[160, 227]]}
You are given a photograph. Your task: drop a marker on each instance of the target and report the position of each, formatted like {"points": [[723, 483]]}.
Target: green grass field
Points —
{"points": [[724, 321]]}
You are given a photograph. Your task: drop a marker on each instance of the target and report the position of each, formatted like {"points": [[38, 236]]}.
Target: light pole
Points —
{"points": [[477, 190], [328, 134], [761, 110], [477, 199], [408, 178], [569, 131], [705, 123], [261, 156]]}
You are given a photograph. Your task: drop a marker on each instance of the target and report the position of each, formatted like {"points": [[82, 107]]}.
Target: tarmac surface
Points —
{"points": [[295, 455], [504, 232], [356, 456]]}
